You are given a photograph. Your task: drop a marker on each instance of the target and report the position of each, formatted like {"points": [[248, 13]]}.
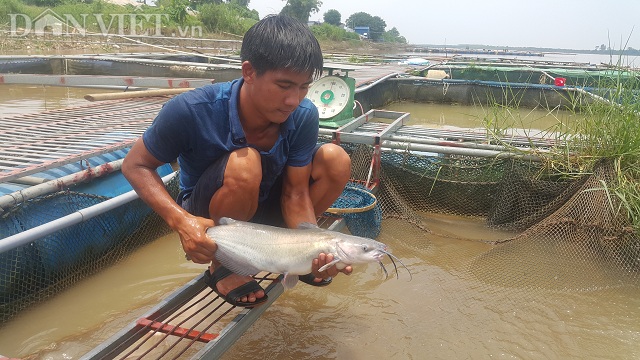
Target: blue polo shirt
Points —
{"points": [[199, 126]]}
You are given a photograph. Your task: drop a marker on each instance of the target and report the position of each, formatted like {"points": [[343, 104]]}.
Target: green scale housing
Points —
{"points": [[333, 95]]}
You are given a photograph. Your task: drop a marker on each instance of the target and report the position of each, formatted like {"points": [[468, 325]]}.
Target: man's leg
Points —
{"points": [[235, 196], [330, 171], [238, 199]]}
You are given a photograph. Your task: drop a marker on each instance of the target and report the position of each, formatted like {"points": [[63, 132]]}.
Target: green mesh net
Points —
{"points": [[44, 267], [568, 226]]}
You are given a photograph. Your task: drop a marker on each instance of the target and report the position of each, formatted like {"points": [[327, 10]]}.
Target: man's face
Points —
{"points": [[277, 93]]}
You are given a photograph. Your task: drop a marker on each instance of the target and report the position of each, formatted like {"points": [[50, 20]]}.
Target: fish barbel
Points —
{"points": [[247, 249]]}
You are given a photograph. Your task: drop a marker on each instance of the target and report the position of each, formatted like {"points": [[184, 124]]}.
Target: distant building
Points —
{"points": [[363, 31]]}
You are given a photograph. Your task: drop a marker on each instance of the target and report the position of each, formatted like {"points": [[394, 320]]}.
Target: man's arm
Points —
{"points": [[297, 208], [139, 167]]}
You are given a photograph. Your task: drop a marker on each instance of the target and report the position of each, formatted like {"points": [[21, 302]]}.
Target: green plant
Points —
{"points": [[329, 32], [223, 18], [10, 7], [178, 11], [604, 126]]}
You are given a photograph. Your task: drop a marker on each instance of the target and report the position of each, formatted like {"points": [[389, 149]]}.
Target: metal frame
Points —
{"points": [[398, 135], [82, 215]]}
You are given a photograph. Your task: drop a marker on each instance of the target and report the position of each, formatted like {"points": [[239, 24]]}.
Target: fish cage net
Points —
{"points": [[547, 232], [36, 271]]}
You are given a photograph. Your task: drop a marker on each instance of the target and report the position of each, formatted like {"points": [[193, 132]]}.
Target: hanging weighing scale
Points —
{"points": [[333, 95]]}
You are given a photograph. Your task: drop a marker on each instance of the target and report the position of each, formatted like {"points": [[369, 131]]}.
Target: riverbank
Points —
{"points": [[219, 44]]}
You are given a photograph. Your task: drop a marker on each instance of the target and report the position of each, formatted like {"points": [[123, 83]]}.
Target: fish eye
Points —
{"points": [[365, 247]]}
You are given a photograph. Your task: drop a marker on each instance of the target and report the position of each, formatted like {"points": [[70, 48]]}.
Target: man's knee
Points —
{"points": [[244, 170], [331, 160]]}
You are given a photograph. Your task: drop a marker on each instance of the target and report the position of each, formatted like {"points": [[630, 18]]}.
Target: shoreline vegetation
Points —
{"points": [[50, 44], [605, 130], [217, 20], [199, 20]]}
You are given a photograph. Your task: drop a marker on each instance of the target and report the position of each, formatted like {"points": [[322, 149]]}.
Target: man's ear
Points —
{"points": [[248, 72]]}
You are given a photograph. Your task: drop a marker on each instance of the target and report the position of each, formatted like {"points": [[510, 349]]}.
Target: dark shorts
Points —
{"points": [[197, 202]]}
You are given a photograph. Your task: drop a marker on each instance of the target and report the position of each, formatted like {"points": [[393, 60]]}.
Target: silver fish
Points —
{"points": [[247, 249]]}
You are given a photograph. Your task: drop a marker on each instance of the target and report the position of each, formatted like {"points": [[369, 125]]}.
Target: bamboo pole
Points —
{"points": [[135, 94]]}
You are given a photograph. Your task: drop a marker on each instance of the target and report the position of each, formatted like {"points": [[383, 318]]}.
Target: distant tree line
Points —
{"points": [[608, 50], [215, 16]]}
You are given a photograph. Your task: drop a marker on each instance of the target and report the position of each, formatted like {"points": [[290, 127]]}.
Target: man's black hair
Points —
{"points": [[282, 42]]}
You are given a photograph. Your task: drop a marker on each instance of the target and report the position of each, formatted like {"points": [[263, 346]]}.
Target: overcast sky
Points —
{"points": [[568, 24]]}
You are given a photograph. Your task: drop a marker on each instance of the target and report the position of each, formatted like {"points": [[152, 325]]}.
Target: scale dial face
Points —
{"points": [[330, 95]]}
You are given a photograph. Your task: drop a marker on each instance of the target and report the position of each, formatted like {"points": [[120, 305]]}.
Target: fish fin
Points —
{"points": [[328, 265], [239, 267], [289, 280], [226, 221], [307, 225]]}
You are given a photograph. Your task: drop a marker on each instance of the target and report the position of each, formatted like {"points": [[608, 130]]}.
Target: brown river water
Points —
{"points": [[454, 307]]}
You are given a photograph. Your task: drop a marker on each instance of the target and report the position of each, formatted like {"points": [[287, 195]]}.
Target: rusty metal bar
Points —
{"points": [[176, 330]]}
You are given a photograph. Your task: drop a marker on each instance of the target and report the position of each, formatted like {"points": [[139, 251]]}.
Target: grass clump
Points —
{"points": [[604, 125], [611, 130]]}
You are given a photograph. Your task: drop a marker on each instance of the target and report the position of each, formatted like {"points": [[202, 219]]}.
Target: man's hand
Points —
{"points": [[196, 244], [332, 271]]}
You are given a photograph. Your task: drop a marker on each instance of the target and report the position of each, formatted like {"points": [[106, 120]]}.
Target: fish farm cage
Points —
{"points": [[105, 230], [546, 216]]}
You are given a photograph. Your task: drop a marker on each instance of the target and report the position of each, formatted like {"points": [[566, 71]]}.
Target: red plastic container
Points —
{"points": [[560, 81]]}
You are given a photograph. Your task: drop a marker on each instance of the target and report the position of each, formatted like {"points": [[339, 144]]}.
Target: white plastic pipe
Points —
{"points": [[376, 82], [459, 150], [48, 187]]}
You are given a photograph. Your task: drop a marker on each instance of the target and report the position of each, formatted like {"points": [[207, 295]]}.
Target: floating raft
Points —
{"points": [[45, 232], [31, 143], [194, 322]]}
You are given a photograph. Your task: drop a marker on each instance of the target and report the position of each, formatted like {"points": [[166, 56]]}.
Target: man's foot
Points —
{"points": [[237, 290], [311, 280]]}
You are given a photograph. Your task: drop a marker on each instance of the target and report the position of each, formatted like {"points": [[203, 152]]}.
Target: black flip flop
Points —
{"points": [[309, 279], [234, 295]]}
